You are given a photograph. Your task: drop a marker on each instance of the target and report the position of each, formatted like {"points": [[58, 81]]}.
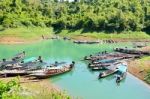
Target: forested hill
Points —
{"points": [[115, 15]]}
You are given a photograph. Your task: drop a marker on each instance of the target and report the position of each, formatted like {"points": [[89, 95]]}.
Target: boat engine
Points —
{"points": [[100, 75], [85, 57], [40, 59], [72, 64], [4, 60], [118, 79]]}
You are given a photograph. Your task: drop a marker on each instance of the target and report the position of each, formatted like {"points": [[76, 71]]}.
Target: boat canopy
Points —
{"points": [[122, 68], [29, 59]]}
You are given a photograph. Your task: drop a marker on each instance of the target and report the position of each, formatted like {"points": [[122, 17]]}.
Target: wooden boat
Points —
{"points": [[55, 37], [139, 44], [97, 55], [128, 51], [14, 72], [12, 62], [105, 56], [66, 38], [99, 65], [80, 42], [122, 72], [8, 64], [111, 60], [93, 42], [19, 56], [106, 73], [32, 63], [110, 70], [52, 71], [85, 42], [103, 66]]}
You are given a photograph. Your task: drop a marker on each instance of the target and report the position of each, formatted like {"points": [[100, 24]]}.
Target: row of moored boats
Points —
{"points": [[36, 67], [112, 63]]}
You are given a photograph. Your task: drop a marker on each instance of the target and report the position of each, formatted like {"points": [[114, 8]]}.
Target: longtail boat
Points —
{"points": [[122, 72], [85, 42], [103, 66], [111, 60], [12, 62], [131, 51], [105, 56], [106, 73], [14, 72], [52, 71], [19, 56], [32, 63], [110, 70]]}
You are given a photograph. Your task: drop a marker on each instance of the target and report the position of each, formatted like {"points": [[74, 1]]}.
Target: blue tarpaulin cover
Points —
{"points": [[29, 59], [122, 68]]}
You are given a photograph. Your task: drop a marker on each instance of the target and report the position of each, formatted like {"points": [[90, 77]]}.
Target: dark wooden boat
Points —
{"points": [[8, 64], [131, 51], [106, 73], [103, 66], [98, 55], [93, 42], [109, 60], [14, 72], [52, 71], [110, 70], [105, 56], [19, 56], [66, 38], [80, 42], [86, 42], [99, 65], [15, 60]]}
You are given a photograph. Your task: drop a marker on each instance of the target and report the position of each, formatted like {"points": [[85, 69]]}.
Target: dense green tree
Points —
{"points": [[105, 15]]}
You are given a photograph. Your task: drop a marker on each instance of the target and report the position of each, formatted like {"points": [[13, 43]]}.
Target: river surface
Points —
{"points": [[81, 82]]}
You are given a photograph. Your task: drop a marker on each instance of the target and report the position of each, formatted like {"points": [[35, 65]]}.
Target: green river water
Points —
{"points": [[81, 82]]}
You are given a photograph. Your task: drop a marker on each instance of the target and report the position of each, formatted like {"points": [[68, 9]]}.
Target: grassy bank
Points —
{"points": [[24, 34], [79, 34], [141, 68]]}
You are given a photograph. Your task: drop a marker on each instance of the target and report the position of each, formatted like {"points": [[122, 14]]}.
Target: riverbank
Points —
{"points": [[38, 89], [24, 35], [140, 67], [92, 35], [32, 34]]}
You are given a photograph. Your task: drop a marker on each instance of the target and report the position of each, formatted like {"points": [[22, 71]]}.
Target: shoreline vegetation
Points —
{"points": [[32, 89], [32, 34]]}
